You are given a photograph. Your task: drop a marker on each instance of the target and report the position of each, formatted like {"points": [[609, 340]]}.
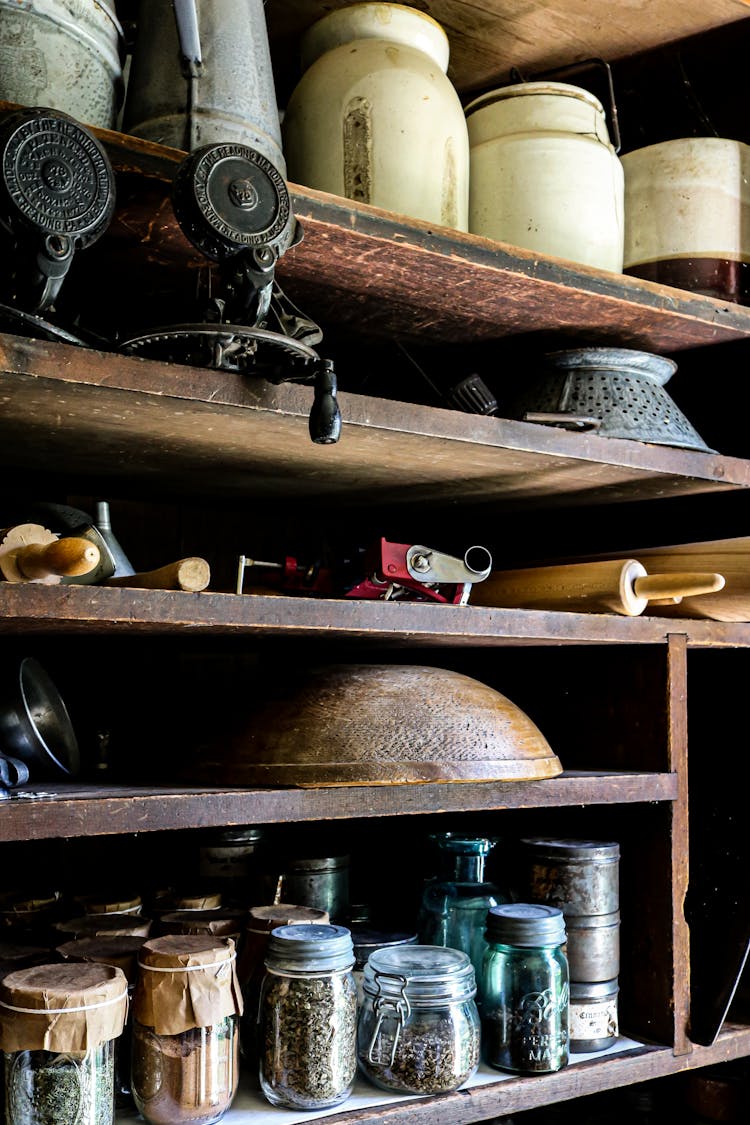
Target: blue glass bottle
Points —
{"points": [[455, 904]]}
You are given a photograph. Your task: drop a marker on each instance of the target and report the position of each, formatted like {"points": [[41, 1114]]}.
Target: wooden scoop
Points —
{"points": [[617, 586], [31, 553]]}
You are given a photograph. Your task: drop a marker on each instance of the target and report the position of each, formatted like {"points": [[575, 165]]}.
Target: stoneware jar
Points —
{"points": [[687, 215], [375, 117], [544, 174]]}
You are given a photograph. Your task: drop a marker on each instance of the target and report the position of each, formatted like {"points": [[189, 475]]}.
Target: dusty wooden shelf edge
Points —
{"points": [[36, 608], [138, 419], [40, 811]]}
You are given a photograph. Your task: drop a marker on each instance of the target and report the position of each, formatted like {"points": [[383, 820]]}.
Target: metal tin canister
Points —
{"points": [[593, 946], [593, 1015], [578, 876], [319, 881]]}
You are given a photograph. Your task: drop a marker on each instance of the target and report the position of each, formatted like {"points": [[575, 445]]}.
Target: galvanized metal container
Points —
{"points": [[233, 98], [319, 881], [65, 55]]}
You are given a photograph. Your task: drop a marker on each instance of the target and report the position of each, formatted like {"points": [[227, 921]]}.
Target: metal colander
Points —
{"points": [[619, 392]]}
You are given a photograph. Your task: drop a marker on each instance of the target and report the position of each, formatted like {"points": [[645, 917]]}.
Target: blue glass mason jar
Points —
{"points": [[525, 999], [454, 905]]}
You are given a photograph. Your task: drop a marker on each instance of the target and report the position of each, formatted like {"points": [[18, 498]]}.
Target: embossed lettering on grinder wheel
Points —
{"points": [[227, 196], [58, 178]]}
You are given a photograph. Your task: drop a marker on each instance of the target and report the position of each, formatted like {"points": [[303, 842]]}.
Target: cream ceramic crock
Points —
{"points": [[376, 119], [687, 215], [544, 174]]}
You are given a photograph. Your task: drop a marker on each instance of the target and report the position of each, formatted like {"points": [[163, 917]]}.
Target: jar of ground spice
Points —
{"points": [[185, 1045], [307, 1022], [58, 1031], [418, 1030]]}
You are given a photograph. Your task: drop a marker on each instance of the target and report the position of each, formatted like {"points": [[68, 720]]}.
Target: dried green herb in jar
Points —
{"points": [[308, 1017], [43, 1088], [419, 1028]]}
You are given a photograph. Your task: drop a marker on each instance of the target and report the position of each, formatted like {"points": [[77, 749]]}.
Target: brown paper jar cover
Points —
{"points": [[93, 999], [186, 981], [121, 952], [184, 900], [105, 925], [261, 920], [219, 923], [112, 904]]}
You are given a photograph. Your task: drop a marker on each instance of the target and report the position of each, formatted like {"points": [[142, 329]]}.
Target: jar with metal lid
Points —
{"points": [[418, 1030], [544, 174], [58, 1031], [594, 1025], [307, 1021], [185, 1046], [525, 995], [375, 117]]}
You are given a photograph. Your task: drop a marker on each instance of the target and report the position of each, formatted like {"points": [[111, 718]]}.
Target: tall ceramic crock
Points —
{"points": [[65, 55], [375, 118], [544, 174], [687, 215]]}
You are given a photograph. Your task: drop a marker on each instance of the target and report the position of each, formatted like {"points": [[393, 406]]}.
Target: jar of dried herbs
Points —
{"points": [[418, 1029], [308, 1017], [58, 1031], [186, 1013]]}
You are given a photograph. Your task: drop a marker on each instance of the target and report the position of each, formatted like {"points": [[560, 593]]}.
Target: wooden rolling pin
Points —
{"points": [[613, 586], [31, 553], [192, 575], [730, 557]]}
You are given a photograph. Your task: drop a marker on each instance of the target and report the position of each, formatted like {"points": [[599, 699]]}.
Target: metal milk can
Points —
{"points": [[374, 116], [63, 54], [201, 74], [544, 173]]}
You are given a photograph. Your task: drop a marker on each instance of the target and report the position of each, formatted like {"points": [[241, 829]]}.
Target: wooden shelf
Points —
{"points": [[39, 811], [34, 608], [200, 433]]}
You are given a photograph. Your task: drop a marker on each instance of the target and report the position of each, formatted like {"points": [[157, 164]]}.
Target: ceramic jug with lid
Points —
{"points": [[544, 174], [374, 116]]}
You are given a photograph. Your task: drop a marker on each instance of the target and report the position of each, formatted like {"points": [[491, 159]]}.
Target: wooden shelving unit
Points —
{"points": [[151, 431]]}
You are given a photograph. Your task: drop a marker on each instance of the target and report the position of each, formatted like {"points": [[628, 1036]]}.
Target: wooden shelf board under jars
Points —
{"points": [[377, 273], [202, 432], [490, 37], [42, 811], [483, 1099], [34, 608]]}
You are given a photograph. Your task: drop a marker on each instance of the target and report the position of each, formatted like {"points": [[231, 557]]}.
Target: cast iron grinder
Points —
{"points": [[234, 206], [57, 196]]}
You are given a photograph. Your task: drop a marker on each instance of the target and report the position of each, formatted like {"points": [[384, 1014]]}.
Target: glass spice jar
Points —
{"points": [[185, 1049], [307, 1022], [418, 1029], [58, 1031], [525, 1000]]}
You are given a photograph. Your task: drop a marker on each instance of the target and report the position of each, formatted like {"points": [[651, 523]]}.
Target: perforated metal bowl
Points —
{"points": [[616, 392]]}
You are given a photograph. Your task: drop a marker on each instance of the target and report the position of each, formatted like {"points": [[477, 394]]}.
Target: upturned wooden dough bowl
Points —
{"points": [[378, 724]]}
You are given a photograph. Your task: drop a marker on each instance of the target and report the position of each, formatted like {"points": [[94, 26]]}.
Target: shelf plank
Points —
{"points": [[33, 608], [37, 812], [489, 37], [200, 433]]}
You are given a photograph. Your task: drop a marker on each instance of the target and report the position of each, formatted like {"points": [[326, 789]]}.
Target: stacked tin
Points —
{"points": [[582, 878]]}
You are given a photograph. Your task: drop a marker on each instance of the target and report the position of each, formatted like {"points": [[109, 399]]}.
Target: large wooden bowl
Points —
{"points": [[379, 724]]}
